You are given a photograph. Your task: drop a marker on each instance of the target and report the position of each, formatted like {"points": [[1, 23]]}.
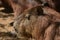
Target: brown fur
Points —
{"points": [[55, 4], [19, 6], [30, 23], [33, 26]]}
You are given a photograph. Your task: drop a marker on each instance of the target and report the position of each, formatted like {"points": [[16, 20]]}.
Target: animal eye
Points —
{"points": [[27, 16]]}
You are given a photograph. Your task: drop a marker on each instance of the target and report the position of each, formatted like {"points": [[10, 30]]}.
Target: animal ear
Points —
{"points": [[39, 11]]}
